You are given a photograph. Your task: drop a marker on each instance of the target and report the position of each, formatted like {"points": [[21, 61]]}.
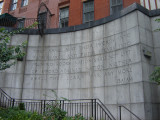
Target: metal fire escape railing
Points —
{"points": [[89, 108]]}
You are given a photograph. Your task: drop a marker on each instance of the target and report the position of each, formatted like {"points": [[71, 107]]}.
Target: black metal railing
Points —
{"points": [[89, 108], [120, 112], [17, 22], [5, 100]]}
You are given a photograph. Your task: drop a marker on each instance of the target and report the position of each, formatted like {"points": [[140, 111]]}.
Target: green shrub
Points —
{"points": [[17, 114], [54, 112], [21, 106], [155, 76]]}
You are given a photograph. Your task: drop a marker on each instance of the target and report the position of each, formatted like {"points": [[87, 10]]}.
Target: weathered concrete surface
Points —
{"points": [[105, 62]]}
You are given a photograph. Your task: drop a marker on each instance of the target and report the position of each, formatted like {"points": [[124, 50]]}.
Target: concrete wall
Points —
{"points": [[105, 62]]}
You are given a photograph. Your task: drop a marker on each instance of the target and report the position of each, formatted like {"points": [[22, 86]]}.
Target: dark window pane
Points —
{"points": [[64, 14], [24, 3], [14, 4], [88, 11], [116, 5]]}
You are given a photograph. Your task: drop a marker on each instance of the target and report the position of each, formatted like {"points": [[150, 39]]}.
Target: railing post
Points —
{"points": [[95, 109], [92, 107], [119, 112], [60, 104], [41, 106], [0, 99], [44, 105], [63, 105], [13, 103]]}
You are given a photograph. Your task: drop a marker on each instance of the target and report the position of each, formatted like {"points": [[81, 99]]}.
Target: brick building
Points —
{"points": [[71, 12]]}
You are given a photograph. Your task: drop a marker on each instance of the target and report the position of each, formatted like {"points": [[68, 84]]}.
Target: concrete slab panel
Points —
{"points": [[16, 93], [157, 56], [18, 39], [28, 94], [75, 51], [78, 37], [117, 26], [98, 79], [17, 81], [98, 32], [75, 80], [87, 35], [136, 92], [51, 82], [65, 52], [52, 40], [110, 77], [29, 81], [123, 95], [35, 41], [109, 44], [109, 29], [138, 110], [74, 93], [110, 95], [141, 18], [131, 20], [86, 82], [98, 93], [66, 38], [156, 36], [86, 93], [64, 66], [75, 65], [63, 93], [98, 47]]}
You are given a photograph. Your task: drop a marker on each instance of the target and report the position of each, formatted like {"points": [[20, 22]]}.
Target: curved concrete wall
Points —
{"points": [[105, 62]]}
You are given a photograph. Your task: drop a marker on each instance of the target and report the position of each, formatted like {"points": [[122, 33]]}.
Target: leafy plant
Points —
{"points": [[21, 106], [9, 54], [53, 110], [155, 76], [158, 20], [17, 114]]}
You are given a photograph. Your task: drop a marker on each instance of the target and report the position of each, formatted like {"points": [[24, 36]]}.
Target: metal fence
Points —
{"points": [[89, 108], [17, 22]]}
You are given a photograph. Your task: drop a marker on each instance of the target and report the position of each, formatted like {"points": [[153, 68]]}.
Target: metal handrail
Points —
{"points": [[95, 107], [5, 94], [120, 106], [106, 109]]}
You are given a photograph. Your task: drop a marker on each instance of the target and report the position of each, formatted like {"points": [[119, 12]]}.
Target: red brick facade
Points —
{"points": [[101, 9]]}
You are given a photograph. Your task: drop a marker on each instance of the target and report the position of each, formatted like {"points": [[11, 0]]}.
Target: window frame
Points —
{"points": [[88, 12], [24, 1], [1, 2], [43, 18], [111, 6], [21, 23], [13, 5], [65, 19]]}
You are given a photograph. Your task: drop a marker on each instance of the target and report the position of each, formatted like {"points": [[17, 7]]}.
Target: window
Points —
{"points": [[63, 17], [88, 11], [42, 18], [1, 6], [14, 4], [21, 23], [116, 5], [24, 3]]}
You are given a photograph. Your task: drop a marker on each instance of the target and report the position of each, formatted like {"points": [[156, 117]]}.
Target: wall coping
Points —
{"points": [[125, 11]]}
